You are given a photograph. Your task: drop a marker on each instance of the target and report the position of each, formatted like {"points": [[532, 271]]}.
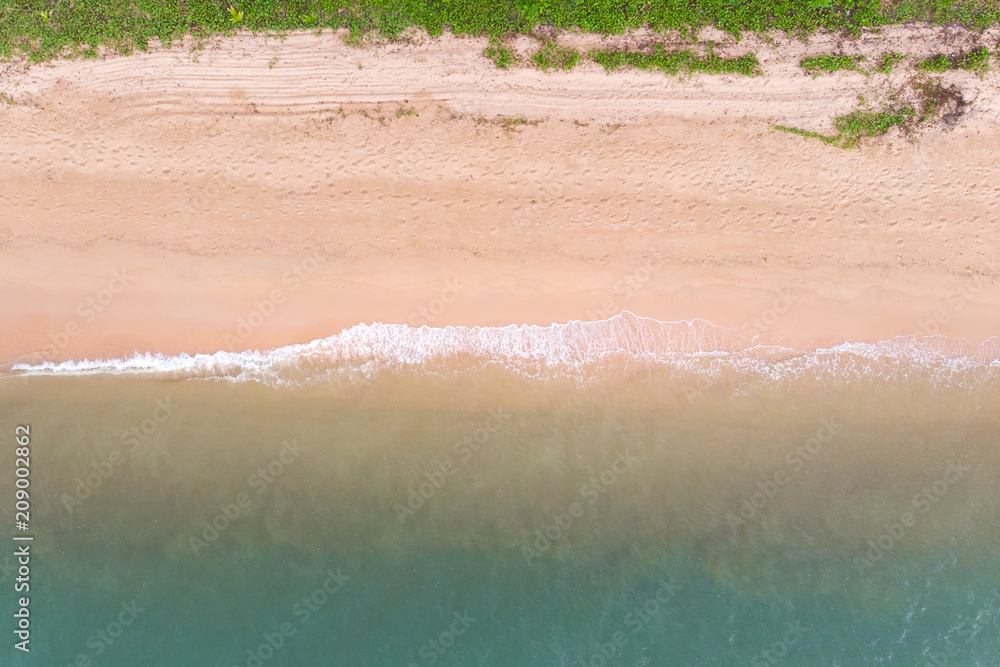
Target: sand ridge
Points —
{"points": [[304, 73]]}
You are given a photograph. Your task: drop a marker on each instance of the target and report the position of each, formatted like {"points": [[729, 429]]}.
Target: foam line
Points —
{"points": [[575, 348]]}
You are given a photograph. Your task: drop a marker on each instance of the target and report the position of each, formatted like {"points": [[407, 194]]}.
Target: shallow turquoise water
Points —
{"points": [[742, 508]]}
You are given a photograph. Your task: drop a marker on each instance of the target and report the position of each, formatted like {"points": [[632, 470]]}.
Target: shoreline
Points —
{"points": [[591, 344], [221, 306]]}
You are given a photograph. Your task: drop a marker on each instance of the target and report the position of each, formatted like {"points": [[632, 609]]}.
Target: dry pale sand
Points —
{"points": [[263, 192]]}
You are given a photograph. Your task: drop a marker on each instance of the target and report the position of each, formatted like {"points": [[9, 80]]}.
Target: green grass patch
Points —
{"points": [[509, 124], [553, 56], [938, 63], [676, 62], [514, 121], [806, 133], [46, 29], [888, 61], [977, 60], [860, 124], [506, 122], [830, 63], [502, 55]]}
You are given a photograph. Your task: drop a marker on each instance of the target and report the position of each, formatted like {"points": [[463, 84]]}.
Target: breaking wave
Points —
{"points": [[581, 350]]}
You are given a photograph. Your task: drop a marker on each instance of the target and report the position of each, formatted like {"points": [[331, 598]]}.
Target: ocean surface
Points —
{"points": [[621, 492]]}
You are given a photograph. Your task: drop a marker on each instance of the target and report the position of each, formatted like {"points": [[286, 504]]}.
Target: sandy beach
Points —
{"points": [[266, 192]]}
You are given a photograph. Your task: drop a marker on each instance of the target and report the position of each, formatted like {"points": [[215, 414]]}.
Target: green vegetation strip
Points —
{"points": [[558, 57], [44, 29], [888, 61], [676, 62], [502, 56], [977, 60], [818, 64]]}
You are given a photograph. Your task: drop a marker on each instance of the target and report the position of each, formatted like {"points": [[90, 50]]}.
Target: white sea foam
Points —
{"points": [[578, 349]]}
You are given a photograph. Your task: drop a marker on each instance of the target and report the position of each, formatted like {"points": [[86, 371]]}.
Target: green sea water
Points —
{"points": [[623, 493]]}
